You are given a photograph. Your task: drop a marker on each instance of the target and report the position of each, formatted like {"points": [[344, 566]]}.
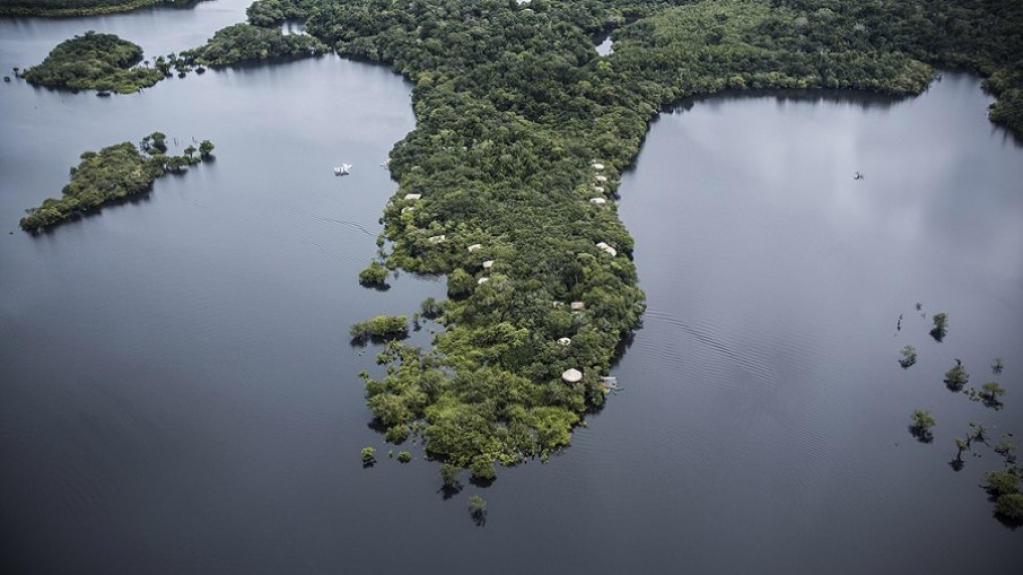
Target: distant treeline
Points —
{"points": [[62, 8]]}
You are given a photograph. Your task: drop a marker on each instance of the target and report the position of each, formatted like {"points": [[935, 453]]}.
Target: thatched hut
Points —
{"points": [[413, 196], [572, 375]]}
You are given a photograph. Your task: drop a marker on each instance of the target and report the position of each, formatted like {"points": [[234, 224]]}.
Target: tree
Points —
{"points": [[999, 483], [478, 510], [385, 327], [991, 394], [920, 427], [979, 432], [404, 456], [205, 149], [374, 276], [190, 151], [450, 474], [368, 456], [908, 357], [956, 377], [961, 445], [940, 326], [1010, 506]]}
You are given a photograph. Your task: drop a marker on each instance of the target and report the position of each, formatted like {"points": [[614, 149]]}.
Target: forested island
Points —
{"points": [[113, 174], [80, 7], [94, 61]]}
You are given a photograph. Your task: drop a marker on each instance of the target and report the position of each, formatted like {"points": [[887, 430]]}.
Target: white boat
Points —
{"points": [[342, 170]]}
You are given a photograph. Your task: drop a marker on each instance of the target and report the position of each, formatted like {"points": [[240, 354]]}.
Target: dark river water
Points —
{"points": [[178, 394]]}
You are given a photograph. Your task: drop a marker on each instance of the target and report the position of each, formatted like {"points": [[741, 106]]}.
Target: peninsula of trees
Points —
{"points": [[508, 183], [64, 8], [113, 174]]}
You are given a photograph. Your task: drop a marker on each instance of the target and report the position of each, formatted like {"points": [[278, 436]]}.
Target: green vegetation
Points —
{"points": [[94, 62], [478, 510], [65, 8], [1010, 506], [404, 456], [956, 377], [920, 425], [113, 174], [382, 327], [940, 326], [515, 110], [990, 394], [908, 357], [206, 149], [246, 43], [375, 275], [369, 456], [1004, 486]]}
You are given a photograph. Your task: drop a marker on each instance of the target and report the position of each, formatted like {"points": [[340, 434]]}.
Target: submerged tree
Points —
{"points": [[991, 394], [997, 366], [908, 357], [1007, 449], [374, 276], [940, 326], [920, 427], [205, 149], [478, 510], [961, 446], [368, 456], [956, 377]]}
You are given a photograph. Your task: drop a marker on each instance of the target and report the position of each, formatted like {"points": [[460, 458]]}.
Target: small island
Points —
{"points": [[113, 174], [94, 61]]}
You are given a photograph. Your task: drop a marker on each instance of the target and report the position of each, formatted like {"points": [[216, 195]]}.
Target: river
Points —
{"points": [[179, 395]]}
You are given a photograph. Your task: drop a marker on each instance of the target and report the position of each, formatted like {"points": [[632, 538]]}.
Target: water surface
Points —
{"points": [[179, 394]]}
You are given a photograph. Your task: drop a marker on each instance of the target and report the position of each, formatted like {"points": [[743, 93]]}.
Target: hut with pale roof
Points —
{"points": [[475, 247], [488, 264], [565, 341], [413, 196], [607, 249], [572, 375]]}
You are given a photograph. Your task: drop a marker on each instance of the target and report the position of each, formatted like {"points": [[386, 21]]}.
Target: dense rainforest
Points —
{"points": [[80, 7], [94, 61], [508, 182]]}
